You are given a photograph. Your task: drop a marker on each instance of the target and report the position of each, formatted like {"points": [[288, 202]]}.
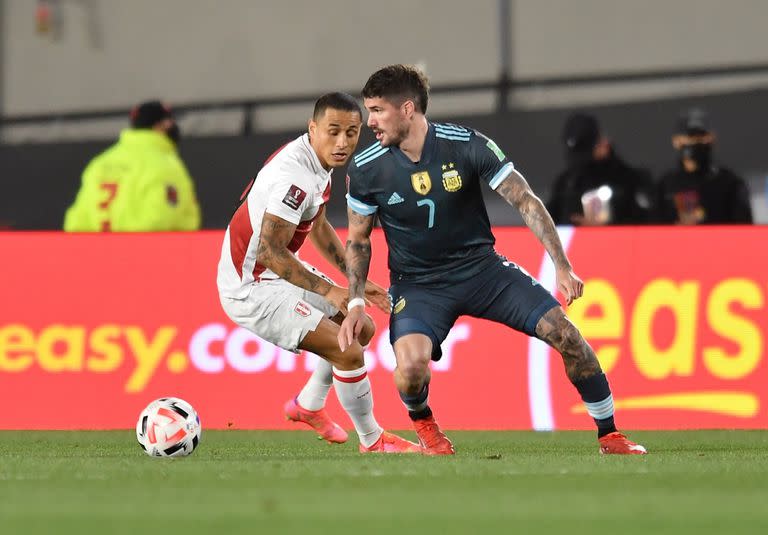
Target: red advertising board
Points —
{"points": [[93, 327]]}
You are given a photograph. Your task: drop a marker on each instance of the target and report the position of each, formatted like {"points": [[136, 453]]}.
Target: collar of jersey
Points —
{"points": [[426, 155]]}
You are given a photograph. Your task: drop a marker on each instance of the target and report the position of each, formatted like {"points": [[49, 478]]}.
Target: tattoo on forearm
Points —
{"points": [[517, 192], [358, 263], [559, 332], [337, 257], [272, 252], [358, 252]]}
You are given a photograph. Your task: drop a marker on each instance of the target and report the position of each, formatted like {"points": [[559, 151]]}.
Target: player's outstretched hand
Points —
{"points": [[378, 296], [351, 327], [569, 284]]}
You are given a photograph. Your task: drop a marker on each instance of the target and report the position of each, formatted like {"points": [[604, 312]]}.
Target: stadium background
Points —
{"points": [[76, 313]]}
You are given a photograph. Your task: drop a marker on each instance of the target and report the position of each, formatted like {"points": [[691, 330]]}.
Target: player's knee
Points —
{"points": [[567, 339], [369, 329], [569, 334], [413, 371], [558, 331], [351, 359]]}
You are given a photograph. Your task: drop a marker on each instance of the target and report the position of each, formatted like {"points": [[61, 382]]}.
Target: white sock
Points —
{"points": [[312, 396], [353, 388]]}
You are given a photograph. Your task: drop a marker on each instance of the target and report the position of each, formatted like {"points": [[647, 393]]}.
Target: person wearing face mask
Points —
{"points": [[140, 183], [598, 187], [697, 191]]}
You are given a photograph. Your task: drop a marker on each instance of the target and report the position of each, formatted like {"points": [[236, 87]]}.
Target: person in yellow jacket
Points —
{"points": [[139, 184]]}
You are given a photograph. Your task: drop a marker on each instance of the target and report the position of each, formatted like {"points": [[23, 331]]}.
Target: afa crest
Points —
{"points": [[452, 180], [421, 182], [451, 177]]}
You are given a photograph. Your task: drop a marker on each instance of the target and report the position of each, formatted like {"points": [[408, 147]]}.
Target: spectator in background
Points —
{"points": [[697, 191], [598, 187], [139, 184]]}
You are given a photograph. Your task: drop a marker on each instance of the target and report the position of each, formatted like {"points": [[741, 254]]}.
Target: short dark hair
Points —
{"points": [[399, 83], [581, 132], [336, 101], [147, 114]]}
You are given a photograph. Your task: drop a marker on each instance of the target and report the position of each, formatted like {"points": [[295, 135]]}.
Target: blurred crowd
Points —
{"points": [[598, 187], [141, 184]]}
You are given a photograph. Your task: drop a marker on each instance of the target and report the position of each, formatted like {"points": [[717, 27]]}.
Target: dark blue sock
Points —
{"points": [[597, 397], [416, 400]]}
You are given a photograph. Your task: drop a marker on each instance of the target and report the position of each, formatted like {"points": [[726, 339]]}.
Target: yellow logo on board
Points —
{"points": [[421, 182]]}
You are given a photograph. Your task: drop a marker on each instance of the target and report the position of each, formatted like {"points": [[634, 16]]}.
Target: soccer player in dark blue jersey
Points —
{"points": [[423, 182]]}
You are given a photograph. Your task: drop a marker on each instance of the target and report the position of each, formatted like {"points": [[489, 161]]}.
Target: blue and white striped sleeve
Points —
{"points": [[359, 206], [501, 175], [358, 197]]}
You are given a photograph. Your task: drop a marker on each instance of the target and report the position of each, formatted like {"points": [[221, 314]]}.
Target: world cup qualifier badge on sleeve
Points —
{"points": [[294, 197]]}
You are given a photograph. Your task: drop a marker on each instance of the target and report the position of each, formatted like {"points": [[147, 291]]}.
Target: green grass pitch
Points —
{"points": [[696, 482]]}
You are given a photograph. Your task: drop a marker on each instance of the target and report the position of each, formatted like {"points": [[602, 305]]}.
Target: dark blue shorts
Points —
{"points": [[503, 292]]}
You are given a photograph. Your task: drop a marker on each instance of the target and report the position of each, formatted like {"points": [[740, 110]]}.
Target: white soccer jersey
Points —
{"points": [[293, 186]]}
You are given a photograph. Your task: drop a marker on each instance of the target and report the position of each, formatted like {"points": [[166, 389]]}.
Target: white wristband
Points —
{"points": [[356, 302]]}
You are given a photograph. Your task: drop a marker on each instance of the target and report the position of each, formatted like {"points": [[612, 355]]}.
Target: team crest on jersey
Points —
{"points": [[421, 182], [451, 178], [399, 306], [302, 309]]}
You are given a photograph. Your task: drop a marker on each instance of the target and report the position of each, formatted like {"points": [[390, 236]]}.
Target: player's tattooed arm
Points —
{"points": [[273, 253], [327, 242], [518, 193], [358, 251]]}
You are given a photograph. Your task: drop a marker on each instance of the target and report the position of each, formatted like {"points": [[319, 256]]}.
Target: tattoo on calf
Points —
{"points": [[559, 332]]}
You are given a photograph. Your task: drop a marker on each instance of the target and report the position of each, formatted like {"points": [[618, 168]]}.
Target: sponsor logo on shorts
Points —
{"points": [[400, 305], [302, 309], [507, 263], [294, 197]]}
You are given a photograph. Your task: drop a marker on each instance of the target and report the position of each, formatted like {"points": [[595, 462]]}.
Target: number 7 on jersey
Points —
{"points": [[431, 205]]}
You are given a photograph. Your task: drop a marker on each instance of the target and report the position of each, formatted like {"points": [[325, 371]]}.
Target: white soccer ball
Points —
{"points": [[168, 427]]}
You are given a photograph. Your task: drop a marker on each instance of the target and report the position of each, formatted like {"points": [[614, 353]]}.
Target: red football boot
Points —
{"points": [[317, 420], [617, 444], [431, 438], [390, 443]]}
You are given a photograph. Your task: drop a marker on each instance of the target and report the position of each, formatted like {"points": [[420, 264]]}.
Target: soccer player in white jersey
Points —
{"points": [[265, 288]]}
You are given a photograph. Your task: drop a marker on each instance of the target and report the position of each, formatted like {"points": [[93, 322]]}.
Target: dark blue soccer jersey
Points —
{"points": [[432, 212]]}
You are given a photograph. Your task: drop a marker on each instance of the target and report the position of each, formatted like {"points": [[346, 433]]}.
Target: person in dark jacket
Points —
{"points": [[696, 191], [598, 187]]}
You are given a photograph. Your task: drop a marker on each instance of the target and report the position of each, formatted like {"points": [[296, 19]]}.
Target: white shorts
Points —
{"points": [[280, 312]]}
